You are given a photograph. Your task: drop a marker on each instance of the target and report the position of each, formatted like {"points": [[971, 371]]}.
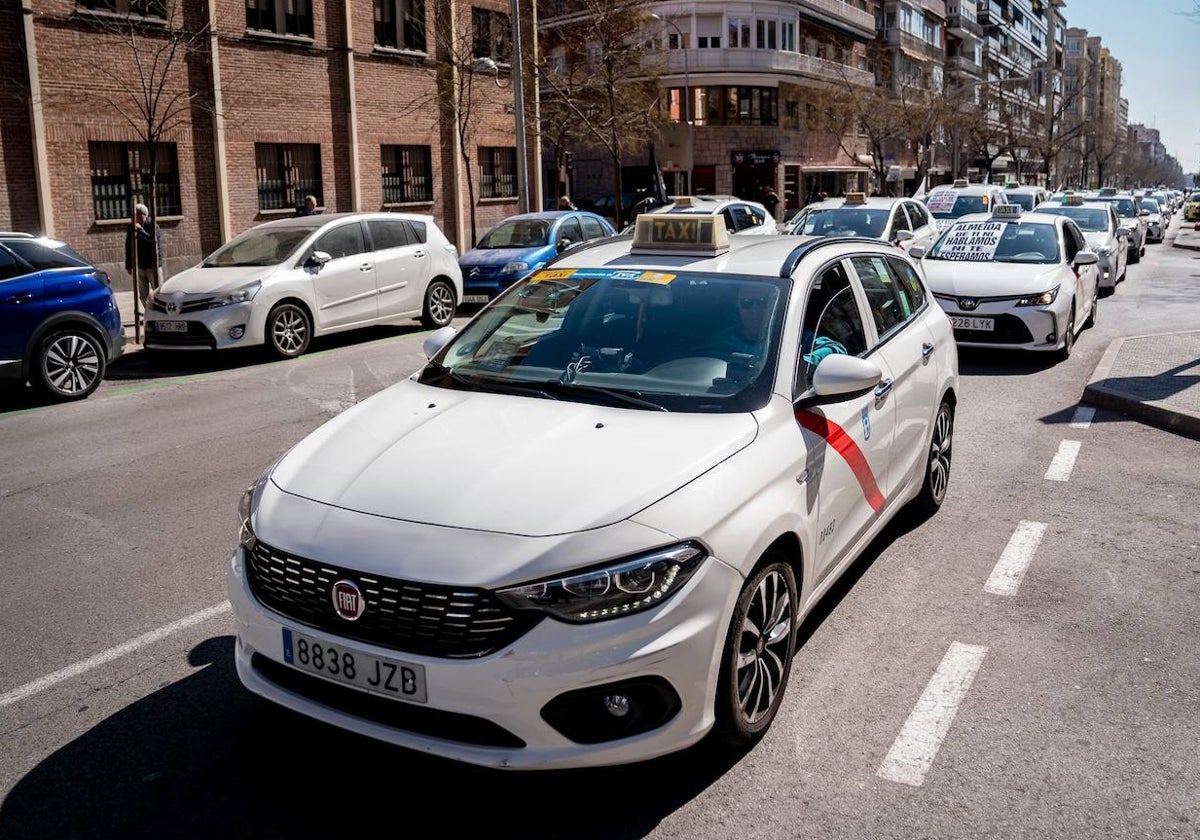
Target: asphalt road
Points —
{"points": [[1081, 719]]}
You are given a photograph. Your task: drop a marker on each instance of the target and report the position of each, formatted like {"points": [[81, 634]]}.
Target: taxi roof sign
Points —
{"points": [[684, 201], [671, 235], [961, 182], [1108, 191], [1072, 200], [856, 198], [1006, 211]]}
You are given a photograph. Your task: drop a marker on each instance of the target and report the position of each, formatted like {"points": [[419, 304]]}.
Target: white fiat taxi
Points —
{"points": [[1015, 281], [585, 533], [904, 222]]}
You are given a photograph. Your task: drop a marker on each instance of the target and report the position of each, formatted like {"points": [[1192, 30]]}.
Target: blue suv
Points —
{"points": [[59, 322], [521, 244]]}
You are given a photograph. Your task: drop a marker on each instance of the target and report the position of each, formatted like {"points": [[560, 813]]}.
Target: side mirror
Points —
{"points": [[317, 259], [839, 377], [917, 252], [1123, 232], [904, 235], [436, 340], [564, 244], [1085, 258]]}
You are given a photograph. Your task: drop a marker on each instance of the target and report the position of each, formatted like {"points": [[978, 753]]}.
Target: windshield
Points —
{"points": [[259, 246], [1125, 207], [1088, 219], [1002, 242], [517, 233], [1024, 199], [843, 221], [637, 339], [1150, 204], [941, 206]]}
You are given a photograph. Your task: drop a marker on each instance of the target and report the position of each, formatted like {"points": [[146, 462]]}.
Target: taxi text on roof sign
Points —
{"points": [[1006, 211], [1072, 200], [662, 233], [856, 198]]}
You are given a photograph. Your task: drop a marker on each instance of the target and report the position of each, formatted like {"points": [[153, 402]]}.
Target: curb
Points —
{"points": [[1152, 412]]}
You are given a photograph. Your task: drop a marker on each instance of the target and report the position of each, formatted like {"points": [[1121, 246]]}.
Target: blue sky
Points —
{"points": [[1156, 43]]}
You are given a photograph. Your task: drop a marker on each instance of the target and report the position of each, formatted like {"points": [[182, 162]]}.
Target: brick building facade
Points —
{"points": [[353, 101]]}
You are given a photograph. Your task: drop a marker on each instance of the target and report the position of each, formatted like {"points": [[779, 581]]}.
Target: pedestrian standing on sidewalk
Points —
{"points": [[148, 239], [771, 202], [309, 207]]}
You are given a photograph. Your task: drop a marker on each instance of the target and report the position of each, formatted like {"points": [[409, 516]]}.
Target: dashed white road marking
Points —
{"points": [[1064, 461], [1006, 577], [92, 662], [1083, 417], [921, 737]]}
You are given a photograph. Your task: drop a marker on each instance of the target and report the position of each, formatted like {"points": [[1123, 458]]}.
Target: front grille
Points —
{"points": [[421, 618], [197, 335], [450, 726], [196, 305], [1009, 330]]}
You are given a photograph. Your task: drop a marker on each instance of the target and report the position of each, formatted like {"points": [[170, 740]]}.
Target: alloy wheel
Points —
{"points": [[289, 331], [71, 365], [939, 454], [765, 647]]}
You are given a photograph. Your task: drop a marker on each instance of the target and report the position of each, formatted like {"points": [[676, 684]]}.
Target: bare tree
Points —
{"points": [[848, 111], [610, 84]]}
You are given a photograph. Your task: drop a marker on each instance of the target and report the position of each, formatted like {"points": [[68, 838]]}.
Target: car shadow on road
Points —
{"points": [[973, 361], [203, 758]]}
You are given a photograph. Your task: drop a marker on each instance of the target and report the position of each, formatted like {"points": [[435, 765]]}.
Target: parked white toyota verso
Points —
{"points": [[585, 533]]}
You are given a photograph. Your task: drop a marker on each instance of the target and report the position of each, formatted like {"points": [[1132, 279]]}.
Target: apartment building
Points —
{"points": [[354, 102], [1093, 91]]}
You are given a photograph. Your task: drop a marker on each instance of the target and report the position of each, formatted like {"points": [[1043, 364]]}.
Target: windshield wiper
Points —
{"points": [[494, 386], [629, 398]]}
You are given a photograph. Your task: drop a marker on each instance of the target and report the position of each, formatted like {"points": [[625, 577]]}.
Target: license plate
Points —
{"points": [[475, 299], [965, 322], [391, 678], [170, 326]]}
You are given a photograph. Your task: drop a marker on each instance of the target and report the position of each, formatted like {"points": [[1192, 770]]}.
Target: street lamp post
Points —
{"points": [[489, 65], [687, 83]]}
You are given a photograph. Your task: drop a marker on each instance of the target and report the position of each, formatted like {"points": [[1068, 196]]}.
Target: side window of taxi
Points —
{"points": [[912, 293], [918, 213], [832, 323], [899, 222], [889, 309], [1072, 242]]}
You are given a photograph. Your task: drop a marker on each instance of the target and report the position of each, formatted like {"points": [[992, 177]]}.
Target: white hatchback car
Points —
{"points": [[902, 221], [741, 216], [283, 283], [1015, 281], [666, 450]]}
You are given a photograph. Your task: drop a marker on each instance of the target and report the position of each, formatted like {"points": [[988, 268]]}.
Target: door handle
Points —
{"points": [[882, 390], [926, 351], [418, 254], [366, 266]]}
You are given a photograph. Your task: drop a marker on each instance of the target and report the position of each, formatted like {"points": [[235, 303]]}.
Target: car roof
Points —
{"points": [[969, 189], [877, 201], [1025, 188], [1035, 217], [547, 215], [1086, 205], [322, 219], [762, 256]]}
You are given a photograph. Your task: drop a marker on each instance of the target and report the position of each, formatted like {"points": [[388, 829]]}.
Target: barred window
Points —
{"points": [[407, 174], [492, 34], [121, 179], [287, 172], [497, 171], [400, 24], [144, 8], [283, 17]]}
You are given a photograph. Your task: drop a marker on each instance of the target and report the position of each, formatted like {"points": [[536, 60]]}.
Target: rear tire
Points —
{"points": [[1064, 352], [1135, 256], [70, 365], [757, 659], [440, 305], [1091, 318]]}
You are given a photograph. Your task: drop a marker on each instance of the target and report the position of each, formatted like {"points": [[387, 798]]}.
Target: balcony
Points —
{"points": [[965, 65], [936, 8], [733, 60], [913, 45], [961, 26], [840, 14], [991, 14]]}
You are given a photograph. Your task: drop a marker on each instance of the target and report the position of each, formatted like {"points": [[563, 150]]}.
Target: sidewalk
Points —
{"points": [[1154, 378], [125, 304]]}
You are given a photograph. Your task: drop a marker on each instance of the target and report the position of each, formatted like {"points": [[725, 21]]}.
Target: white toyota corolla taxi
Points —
{"points": [[1015, 281], [586, 532]]}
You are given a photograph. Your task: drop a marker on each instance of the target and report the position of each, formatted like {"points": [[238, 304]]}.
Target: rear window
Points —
{"points": [[44, 254], [387, 233], [417, 231]]}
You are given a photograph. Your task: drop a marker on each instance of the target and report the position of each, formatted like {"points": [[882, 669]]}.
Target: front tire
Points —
{"points": [[70, 365], [289, 330], [937, 468], [440, 305], [757, 659]]}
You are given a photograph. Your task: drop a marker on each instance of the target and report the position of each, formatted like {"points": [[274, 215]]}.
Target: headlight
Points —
{"points": [[240, 296], [622, 588], [514, 267], [1044, 299], [246, 537]]}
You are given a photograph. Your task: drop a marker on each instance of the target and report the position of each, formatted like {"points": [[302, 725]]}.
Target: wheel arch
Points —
{"points": [[298, 301]]}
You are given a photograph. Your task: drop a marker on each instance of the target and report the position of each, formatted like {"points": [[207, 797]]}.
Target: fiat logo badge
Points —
{"points": [[348, 600]]}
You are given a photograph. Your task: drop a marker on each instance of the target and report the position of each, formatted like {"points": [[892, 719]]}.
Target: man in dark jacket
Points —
{"points": [[147, 273]]}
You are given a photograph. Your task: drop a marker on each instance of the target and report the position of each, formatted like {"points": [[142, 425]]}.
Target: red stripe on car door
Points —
{"points": [[836, 436]]}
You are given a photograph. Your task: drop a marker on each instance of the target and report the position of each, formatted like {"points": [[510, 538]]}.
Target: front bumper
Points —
{"points": [[1037, 328], [679, 642], [207, 329]]}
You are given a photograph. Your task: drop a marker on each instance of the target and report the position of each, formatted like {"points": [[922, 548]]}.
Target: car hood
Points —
{"points": [[200, 280], [500, 256], [502, 463], [964, 279], [1096, 240]]}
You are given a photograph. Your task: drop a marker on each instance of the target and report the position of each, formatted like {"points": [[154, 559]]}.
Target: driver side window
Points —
{"points": [[832, 323], [1071, 244], [571, 230]]}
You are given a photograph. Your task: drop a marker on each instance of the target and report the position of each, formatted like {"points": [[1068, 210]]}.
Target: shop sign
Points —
{"points": [[741, 157]]}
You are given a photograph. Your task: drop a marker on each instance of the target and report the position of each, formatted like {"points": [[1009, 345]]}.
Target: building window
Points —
{"points": [[497, 172], [121, 179], [739, 32], [282, 17], [491, 33], [143, 8], [400, 24], [407, 174], [287, 172]]}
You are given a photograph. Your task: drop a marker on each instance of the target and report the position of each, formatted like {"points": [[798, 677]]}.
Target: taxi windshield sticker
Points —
{"points": [[636, 276], [942, 201], [971, 241]]}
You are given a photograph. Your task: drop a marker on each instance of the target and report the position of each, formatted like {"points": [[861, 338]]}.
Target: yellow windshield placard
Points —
{"points": [[552, 274]]}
